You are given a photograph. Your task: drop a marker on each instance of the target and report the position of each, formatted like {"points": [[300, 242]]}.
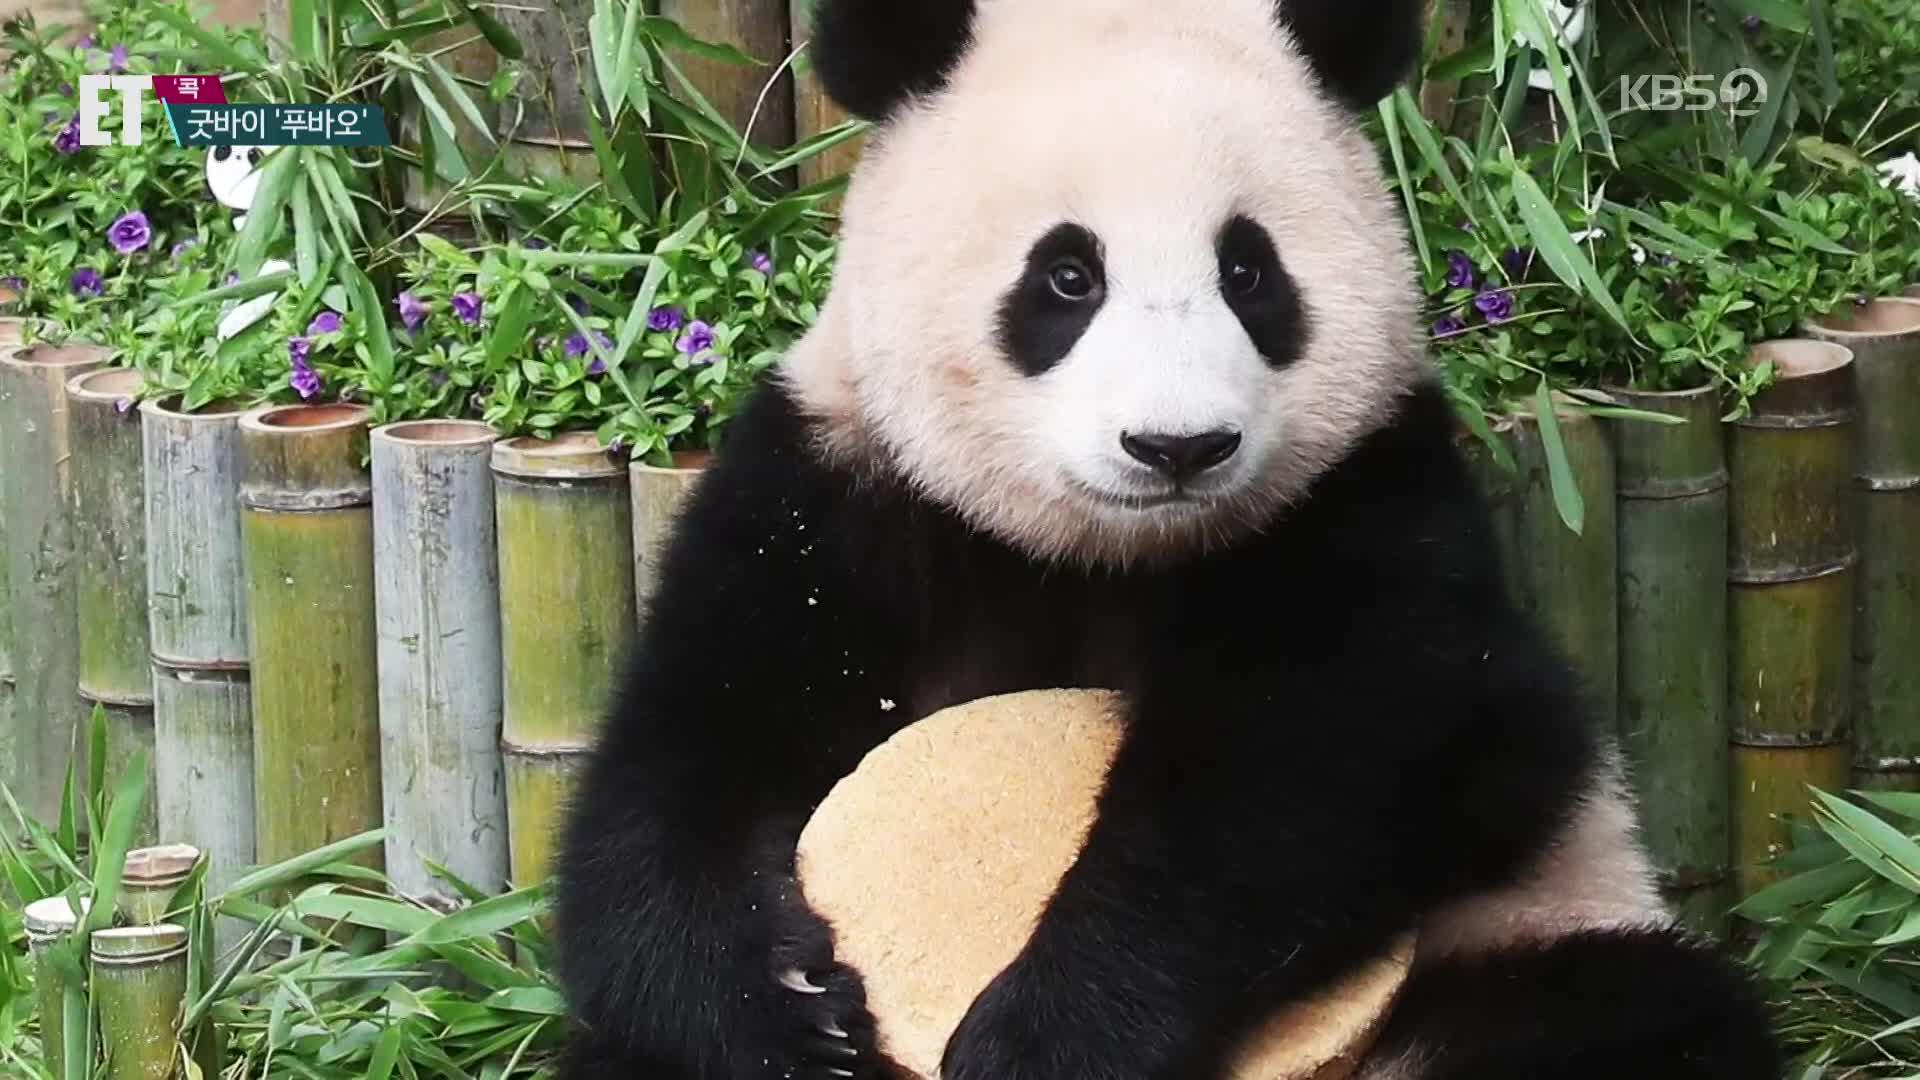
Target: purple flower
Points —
{"points": [[697, 339], [326, 322], [1448, 326], [467, 306], [1459, 270], [68, 140], [533, 243], [576, 346], [130, 233], [230, 279], [86, 282], [184, 246], [117, 59], [1495, 304], [1516, 260], [412, 311], [662, 319], [297, 350], [304, 380], [760, 261], [17, 284], [66, 89], [85, 42]]}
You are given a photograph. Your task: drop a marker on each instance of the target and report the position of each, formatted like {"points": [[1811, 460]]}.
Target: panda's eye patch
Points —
{"points": [[1071, 280], [253, 157], [1259, 291], [222, 153]]}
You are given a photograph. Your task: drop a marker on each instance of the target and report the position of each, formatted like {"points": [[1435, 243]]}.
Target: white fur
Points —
{"points": [[1150, 129]]}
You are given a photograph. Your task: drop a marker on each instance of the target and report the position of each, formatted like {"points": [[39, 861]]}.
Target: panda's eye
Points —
{"points": [[253, 157], [1070, 280], [1243, 278], [222, 153]]}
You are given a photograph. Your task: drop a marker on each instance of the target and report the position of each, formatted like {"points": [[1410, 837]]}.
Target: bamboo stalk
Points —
{"points": [[203, 756], [658, 495], [1568, 580], [565, 521], [548, 136], [1790, 597], [110, 537], [139, 987], [307, 529], [196, 586], [36, 491], [1790, 551], [149, 878], [130, 731], [1884, 337], [813, 111], [1704, 908], [1672, 517], [741, 94], [1769, 782], [437, 589], [48, 923]]}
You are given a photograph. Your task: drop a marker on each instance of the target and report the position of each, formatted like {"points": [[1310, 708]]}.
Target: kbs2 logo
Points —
{"points": [[1741, 92]]}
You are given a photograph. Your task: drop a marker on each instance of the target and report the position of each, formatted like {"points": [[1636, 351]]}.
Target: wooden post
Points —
{"points": [[1672, 518], [110, 552], [658, 495], [197, 623], [759, 29], [139, 987], [307, 528], [1569, 580], [36, 491], [1790, 596], [48, 923], [565, 521], [437, 590], [813, 111], [1884, 337]]}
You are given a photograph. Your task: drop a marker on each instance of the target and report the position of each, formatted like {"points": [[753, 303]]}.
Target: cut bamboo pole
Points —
{"points": [[437, 590], [544, 125], [110, 552], [1568, 580], [48, 923], [658, 495], [139, 987], [36, 491], [813, 111], [110, 537], [741, 94], [149, 878], [307, 528], [1672, 517], [1884, 337], [1790, 597], [196, 585], [565, 521], [203, 754]]}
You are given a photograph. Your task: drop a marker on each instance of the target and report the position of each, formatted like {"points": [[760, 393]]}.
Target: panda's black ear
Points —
{"points": [[1360, 49], [872, 54]]}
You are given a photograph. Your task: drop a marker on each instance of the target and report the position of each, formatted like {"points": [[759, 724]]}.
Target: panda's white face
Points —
{"points": [[1123, 291]]}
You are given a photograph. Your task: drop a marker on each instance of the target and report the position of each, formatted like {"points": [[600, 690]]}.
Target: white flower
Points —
{"points": [[1903, 173]]}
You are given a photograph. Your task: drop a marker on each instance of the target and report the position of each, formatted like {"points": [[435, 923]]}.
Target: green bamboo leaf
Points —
{"points": [[442, 126], [674, 36], [502, 39], [1883, 848], [1416, 125], [302, 31], [328, 171], [96, 769], [1905, 804], [1534, 23], [616, 81], [508, 335], [306, 238], [335, 222], [1804, 233], [1567, 499], [369, 911], [484, 919], [373, 316], [1556, 245], [459, 97], [1785, 14], [1819, 886], [264, 220], [281, 873], [1391, 123], [241, 290], [110, 851], [217, 47]]}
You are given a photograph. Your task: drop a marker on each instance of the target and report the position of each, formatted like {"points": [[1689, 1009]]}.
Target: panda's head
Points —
{"points": [[1118, 278]]}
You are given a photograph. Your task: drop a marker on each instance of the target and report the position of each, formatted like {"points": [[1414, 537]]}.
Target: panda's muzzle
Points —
{"points": [[1181, 457]]}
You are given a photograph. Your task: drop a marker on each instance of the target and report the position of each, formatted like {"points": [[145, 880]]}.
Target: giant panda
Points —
{"points": [[1119, 385]]}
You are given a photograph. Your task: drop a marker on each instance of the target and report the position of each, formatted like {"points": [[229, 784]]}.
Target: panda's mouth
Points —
{"points": [[1141, 502]]}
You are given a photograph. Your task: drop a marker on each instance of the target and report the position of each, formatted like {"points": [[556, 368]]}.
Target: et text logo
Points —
{"points": [[96, 106], [198, 114]]}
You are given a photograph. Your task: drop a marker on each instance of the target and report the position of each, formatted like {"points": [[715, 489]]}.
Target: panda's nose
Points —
{"points": [[1181, 457]]}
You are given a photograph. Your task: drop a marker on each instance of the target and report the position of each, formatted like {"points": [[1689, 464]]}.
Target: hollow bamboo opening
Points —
{"points": [[1891, 315], [440, 432], [573, 454], [1797, 358], [308, 417], [110, 385], [60, 356]]}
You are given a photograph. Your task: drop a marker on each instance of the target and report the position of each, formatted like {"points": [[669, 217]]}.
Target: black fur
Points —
{"points": [[1595, 1006], [871, 55], [1037, 326], [1333, 729], [1360, 49], [1270, 311]]}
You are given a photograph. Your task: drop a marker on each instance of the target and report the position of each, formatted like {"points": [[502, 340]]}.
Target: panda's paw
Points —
{"points": [[820, 1020]]}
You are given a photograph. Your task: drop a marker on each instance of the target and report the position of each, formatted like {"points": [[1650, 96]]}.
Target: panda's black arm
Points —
{"points": [[1296, 789], [762, 676]]}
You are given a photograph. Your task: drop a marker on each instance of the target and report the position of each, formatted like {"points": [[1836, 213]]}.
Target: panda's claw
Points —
{"points": [[796, 980]]}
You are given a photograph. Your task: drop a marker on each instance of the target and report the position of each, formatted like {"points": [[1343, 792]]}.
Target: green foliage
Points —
{"points": [[1837, 936], [336, 980]]}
